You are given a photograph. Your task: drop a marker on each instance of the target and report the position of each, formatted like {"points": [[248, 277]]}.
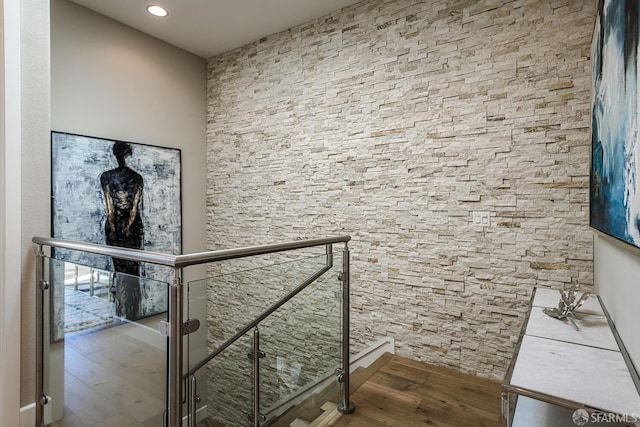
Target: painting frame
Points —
{"points": [[118, 193], [614, 191]]}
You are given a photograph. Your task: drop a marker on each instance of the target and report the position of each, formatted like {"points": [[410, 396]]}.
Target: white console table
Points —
{"points": [[557, 370]]}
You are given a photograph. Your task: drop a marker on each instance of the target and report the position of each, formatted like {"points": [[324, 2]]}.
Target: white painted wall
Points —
{"points": [[617, 280], [9, 210], [110, 81], [113, 82], [34, 171]]}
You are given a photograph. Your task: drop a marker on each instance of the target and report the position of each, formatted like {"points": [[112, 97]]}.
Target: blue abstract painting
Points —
{"points": [[615, 152]]}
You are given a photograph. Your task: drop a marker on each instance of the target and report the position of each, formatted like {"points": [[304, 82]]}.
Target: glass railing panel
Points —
{"points": [[302, 345], [225, 303], [223, 391], [105, 361]]}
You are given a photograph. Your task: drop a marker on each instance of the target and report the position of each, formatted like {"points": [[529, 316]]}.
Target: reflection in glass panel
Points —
{"points": [[230, 301], [223, 387], [302, 343], [301, 340], [102, 368]]}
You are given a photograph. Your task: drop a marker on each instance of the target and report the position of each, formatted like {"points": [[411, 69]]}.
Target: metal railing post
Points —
{"points": [[175, 352], [346, 407], [256, 377], [193, 402], [256, 355], [41, 286]]}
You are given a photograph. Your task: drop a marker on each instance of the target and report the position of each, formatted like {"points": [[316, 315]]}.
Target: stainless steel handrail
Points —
{"points": [[226, 254], [111, 251], [181, 261]]}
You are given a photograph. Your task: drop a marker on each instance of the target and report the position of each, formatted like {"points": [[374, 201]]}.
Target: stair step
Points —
{"points": [[330, 409], [328, 412], [361, 375]]}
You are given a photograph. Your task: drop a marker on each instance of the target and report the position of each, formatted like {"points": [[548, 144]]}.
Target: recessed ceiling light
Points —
{"points": [[157, 10]]}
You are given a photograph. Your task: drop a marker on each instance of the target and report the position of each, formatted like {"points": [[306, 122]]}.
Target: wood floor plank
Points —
{"points": [[408, 393], [112, 379], [448, 383]]}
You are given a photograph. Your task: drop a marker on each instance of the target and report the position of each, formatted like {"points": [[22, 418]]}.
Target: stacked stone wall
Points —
{"points": [[393, 121]]}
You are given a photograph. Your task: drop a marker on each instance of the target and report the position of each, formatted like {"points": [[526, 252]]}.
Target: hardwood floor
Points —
{"points": [[405, 393], [112, 379]]}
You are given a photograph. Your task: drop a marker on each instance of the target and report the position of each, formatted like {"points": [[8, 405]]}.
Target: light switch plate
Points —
{"points": [[481, 219]]}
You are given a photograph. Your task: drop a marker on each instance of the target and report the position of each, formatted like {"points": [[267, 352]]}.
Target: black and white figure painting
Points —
{"points": [[615, 151], [119, 194]]}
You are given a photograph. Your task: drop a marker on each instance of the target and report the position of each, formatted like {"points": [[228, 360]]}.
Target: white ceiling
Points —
{"points": [[209, 27]]}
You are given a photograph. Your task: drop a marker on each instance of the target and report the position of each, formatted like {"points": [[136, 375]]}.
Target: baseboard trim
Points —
{"points": [[201, 414], [28, 415], [369, 355]]}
